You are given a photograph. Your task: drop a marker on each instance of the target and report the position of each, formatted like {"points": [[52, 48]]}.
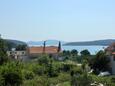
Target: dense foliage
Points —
{"points": [[45, 70], [3, 54], [11, 74], [21, 47], [100, 62]]}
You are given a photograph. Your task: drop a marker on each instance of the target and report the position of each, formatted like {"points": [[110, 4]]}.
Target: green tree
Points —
{"points": [[84, 80], [85, 53], [1, 80], [21, 47], [11, 74], [100, 62], [66, 53], [43, 59], [74, 52], [81, 80], [3, 54], [73, 79], [51, 70], [84, 66]]}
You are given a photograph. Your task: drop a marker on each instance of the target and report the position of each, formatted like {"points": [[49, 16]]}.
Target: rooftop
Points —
{"points": [[39, 50]]}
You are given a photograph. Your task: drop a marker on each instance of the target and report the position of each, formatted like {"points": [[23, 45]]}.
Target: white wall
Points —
{"points": [[17, 54], [113, 64]]}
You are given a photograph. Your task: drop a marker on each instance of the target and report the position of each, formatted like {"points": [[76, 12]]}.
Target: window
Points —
{"points": [[23, 53], [10, 52]]}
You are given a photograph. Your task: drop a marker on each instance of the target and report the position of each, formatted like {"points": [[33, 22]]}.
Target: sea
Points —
{"points": [[92, 49]]}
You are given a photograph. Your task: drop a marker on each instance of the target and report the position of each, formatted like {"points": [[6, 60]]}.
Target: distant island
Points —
{"points": [[91, 43], [48, 43], [105, 42]]}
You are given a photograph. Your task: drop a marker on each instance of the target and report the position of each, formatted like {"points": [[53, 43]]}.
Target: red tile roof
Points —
{"points": [[111, 47], [39, 50], [113, 53]]}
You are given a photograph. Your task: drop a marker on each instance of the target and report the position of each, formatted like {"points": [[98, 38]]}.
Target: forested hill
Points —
{"points": [[91, 43], [13, 43]]}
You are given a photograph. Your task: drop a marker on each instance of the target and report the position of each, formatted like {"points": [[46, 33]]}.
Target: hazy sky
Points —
{"points": [[67, 20]]}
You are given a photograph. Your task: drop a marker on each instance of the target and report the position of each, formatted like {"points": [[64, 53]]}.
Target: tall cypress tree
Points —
{"points": [[59, 47], [44, 46]]}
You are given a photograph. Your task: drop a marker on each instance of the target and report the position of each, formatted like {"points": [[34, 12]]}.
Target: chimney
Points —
{"points": [[44, 46], [59, 47]]}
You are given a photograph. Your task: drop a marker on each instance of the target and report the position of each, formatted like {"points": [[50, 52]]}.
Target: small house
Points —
{"points": [[15, 54], [110, 51]]}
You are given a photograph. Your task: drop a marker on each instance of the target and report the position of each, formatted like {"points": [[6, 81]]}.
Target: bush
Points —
{"points": [[43, 59], [3, 54], [77, 70], [100, 62], [39, 69], [106, 81], [28, 75], [11, 74], [84, 80], [37, 81], [1, 80], [62, 77], [66, 67]]}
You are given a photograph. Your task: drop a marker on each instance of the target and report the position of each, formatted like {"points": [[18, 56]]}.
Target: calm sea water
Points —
{"points": [[92, 49]]}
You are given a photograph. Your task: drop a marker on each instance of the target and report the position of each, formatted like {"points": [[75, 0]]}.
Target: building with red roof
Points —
{"points": [[110, 51], [35, 51]]}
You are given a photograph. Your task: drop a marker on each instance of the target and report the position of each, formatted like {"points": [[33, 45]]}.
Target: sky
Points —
{"points": [[67, 20]]}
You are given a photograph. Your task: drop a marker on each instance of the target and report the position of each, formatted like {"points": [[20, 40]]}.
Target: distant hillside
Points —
{"points": [[40, 43], [89, 43], [13, 43], [17, 42]]}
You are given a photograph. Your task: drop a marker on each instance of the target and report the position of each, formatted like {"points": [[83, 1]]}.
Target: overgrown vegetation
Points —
{"points": [[48, 71]]}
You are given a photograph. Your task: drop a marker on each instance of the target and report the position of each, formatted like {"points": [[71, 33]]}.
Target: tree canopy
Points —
{"points": [[100, 62], [3, 54], [85, 52]]}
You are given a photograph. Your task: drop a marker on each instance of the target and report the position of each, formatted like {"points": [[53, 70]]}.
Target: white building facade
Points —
{"points": [[16, 54], [112, 64]]}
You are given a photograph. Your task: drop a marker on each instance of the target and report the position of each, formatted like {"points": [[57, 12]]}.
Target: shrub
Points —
{"points": [[11, 73], [37, 81], [1, 80], [66, 67], [39, 70], [28, 75], [3, 54], [84, 80], [43, 59], [77, 70], [62, 77]]}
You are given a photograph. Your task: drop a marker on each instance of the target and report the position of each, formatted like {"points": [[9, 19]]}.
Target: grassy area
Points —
{"points": [[65, 84]]}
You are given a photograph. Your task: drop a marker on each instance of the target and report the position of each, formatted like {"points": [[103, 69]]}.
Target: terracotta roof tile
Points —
{"points": [[39, 50], [111, 47], [113, 53]]}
